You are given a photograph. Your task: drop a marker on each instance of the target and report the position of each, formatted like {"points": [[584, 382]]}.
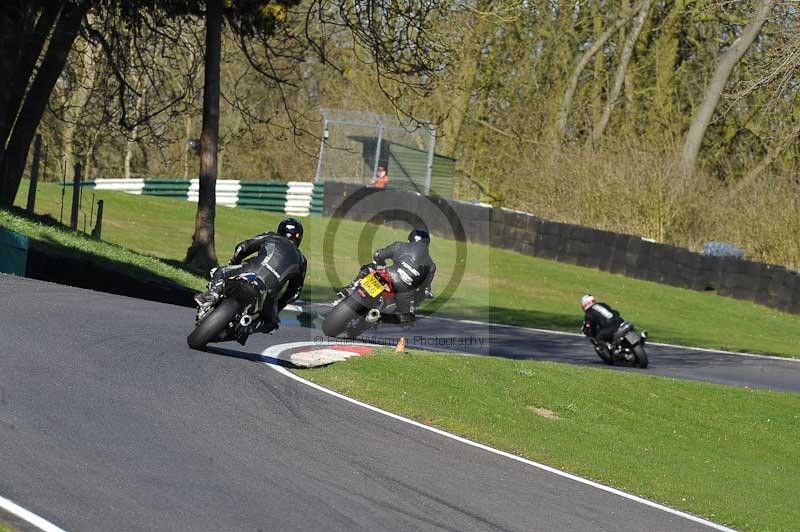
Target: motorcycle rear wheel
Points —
{"points": [[340, 317], [212, 325], [356, 327], [641, 356]]}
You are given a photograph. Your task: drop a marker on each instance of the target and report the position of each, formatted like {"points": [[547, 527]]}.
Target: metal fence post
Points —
{"points": [[431, 151], [321, 150], [37, 155], [377, 152], [76, 191]]}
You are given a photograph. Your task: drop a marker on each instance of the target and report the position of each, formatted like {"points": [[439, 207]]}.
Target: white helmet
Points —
{"points": [[587, 301]]}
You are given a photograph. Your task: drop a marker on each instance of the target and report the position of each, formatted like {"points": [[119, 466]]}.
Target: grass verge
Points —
{"points": [[724, 453], [75, 244], [497, 285]]}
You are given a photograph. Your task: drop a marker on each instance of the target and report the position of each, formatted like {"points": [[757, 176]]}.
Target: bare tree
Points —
{"points": [[727, 62], [32, 106], [622, 68], [580, 66], [772, 154], [77, 100], [201, 255]]}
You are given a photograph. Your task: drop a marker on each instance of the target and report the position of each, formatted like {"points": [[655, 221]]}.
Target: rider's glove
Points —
{"points": [[428, 294]]}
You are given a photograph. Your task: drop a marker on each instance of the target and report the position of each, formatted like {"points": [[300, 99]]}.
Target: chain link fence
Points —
{"points": [[354, 144]]}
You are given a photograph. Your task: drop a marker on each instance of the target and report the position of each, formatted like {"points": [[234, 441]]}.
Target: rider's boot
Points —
{"points": [[266, 326], [406, 319]]}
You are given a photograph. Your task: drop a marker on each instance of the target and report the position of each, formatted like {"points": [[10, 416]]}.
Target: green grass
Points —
{"points": [[499, 286], [725, 453], [75, 244], [4, 527]]}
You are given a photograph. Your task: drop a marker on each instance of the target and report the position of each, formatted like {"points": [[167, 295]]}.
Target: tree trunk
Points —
{"points": [[68, 150], [665, 120], [572, 84], [622, 69], [468, 69], [201, 255], [13, 91], [599, 69], [772, 154], [75, 107], [130, 143], [220, 156], [727, 62], [88, 158], [13, 163], [186, 146]]}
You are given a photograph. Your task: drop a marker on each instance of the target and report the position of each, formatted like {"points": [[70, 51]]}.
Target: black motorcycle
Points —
{"points": [[627, 345], [234, 316], [362, 304]]}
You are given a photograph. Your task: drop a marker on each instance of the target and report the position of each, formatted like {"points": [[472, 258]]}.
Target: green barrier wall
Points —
{"points": [[13, 252]]}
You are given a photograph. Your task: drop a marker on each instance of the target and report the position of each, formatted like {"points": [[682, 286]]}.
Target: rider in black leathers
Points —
{"points": [[412, 272], [600, 320], [279, 263]]}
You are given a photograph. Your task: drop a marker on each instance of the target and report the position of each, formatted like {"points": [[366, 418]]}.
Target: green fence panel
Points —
{"points": [[268, 208], [13, 252], [317, 198], [166, 188], [262, 194], [264, 203]]}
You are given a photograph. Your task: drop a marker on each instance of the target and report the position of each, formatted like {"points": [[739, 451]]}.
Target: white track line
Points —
{"points": [[28, 517], [277, 349]]}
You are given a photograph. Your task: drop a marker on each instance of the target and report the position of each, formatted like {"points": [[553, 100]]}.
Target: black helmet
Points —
{"points": [[419, 234], [292, 229]]}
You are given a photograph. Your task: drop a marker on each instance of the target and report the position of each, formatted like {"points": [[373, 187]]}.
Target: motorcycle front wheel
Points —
{"points": [[212, 325], [604, 354], [641, 356]]}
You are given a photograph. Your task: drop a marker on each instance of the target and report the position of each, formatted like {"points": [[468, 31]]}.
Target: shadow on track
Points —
{"points": [[245, 355]]}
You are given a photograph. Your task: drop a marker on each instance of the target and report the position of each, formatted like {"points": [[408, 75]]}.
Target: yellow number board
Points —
{"points": [[372, 285]]}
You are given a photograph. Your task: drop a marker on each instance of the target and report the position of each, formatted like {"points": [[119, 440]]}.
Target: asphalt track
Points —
{"points": [[519, 343], [109, 422]]}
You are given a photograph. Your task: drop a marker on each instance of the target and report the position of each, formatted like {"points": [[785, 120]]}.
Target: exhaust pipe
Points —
{"points": [[373, 315], [246, 320]]}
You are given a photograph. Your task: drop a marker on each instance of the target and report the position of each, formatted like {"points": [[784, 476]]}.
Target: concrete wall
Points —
{"points": [[765, 284]]}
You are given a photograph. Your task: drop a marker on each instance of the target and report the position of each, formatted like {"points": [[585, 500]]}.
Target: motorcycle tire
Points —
{"points": [[355, 328], [641, 356], [212, 325], [339, 318]]}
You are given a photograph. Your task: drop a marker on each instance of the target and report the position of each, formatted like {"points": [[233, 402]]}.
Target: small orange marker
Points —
{"points": [[401, 345]]}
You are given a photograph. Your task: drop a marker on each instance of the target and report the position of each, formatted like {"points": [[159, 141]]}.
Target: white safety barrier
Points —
{"points": [[131, 186], [227, 191], [298, 198]]}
